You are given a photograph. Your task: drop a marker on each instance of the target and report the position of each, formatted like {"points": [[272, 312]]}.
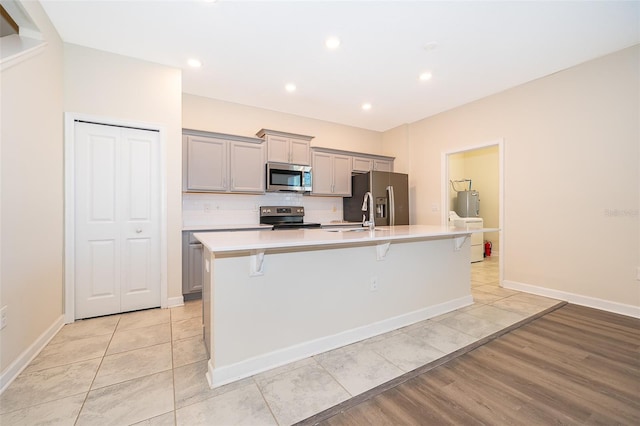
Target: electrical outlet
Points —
{"points": [[3, 317], [638, 273], [373, 285]]}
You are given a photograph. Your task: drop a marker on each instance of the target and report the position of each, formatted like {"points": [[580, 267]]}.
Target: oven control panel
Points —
{"points": [[281, 211]]}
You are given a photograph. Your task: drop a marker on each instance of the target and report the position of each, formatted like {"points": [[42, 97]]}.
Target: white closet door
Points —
{"points": [[117, 244], [140, 226]]}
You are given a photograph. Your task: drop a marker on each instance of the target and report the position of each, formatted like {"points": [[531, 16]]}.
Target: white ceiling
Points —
{"points": [[250, 50]]}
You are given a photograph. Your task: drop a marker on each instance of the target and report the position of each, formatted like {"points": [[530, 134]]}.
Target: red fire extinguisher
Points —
{"points": [[487, 248]]}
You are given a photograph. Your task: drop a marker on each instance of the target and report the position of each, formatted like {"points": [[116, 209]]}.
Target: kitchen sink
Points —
{"points": [[351, 229]]}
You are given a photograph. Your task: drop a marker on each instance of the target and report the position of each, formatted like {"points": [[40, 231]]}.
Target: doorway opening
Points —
{"points": [[478, 168]]}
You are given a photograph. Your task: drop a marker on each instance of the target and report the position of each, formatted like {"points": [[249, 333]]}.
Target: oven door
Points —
{"points": [[288, 177]]}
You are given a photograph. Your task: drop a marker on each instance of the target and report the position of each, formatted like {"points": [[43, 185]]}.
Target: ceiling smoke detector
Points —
{"points": [[432, 45]]}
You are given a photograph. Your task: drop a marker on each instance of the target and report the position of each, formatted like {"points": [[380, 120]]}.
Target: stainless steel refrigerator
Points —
{"points": [[390, 195]]}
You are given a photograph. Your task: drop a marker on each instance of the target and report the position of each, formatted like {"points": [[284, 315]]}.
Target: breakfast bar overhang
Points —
{"points": [[274, 297]]}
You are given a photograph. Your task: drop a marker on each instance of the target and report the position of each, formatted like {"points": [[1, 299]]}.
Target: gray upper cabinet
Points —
{"points": [[286, 147], [362, 164], [332, 169], [331, 174], [366, 164], [215, 162], [382, 165], [206, 163], [246, 166]]}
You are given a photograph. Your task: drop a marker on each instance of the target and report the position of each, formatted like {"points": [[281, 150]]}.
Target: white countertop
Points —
{"points": [[232, 227], [237, 227], [219, 242]]}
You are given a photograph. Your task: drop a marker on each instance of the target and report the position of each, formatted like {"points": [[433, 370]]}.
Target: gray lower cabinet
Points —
{"points": [[192, 270], [191, 264]]}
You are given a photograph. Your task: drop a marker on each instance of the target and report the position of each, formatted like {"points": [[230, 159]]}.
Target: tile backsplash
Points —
{"points": [[240, 209]]}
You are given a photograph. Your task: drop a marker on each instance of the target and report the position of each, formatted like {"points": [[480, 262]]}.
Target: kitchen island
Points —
{"points": [[273, 297]]}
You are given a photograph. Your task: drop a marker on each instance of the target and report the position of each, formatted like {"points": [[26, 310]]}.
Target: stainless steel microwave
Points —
{"points": [[288, 177]]}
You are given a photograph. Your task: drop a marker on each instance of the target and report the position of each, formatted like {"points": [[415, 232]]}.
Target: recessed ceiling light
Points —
{"points": [[332, 43], [194, 63], [425, 76], [366, 106], [290, 87]]}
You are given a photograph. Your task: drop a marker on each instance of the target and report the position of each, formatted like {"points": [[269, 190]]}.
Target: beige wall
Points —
{"points": [[571, 175], [117, 87], [31, 192], [217, 116]]}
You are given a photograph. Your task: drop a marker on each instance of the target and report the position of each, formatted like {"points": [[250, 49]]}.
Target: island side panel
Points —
{"points": [[306, 296]]}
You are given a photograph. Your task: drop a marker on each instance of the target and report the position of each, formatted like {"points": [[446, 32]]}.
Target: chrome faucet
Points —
{"points": [[372, 219]]}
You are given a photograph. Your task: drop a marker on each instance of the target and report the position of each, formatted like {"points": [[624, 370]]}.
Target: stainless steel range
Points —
{"points": [[285, 217]]}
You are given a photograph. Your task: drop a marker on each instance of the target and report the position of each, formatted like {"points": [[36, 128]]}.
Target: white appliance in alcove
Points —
{"points": [[477, 238]]}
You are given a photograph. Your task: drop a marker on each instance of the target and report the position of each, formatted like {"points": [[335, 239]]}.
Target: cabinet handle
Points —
{"points": [[138, 231]]}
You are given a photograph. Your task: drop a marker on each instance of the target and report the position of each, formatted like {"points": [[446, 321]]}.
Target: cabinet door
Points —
{"points": [[278, 149], [362, 164], [299, 152], [185, 262], [206, 164], [342, 175], [383, 165], [322, 173], [194, 284], [247, 171]]}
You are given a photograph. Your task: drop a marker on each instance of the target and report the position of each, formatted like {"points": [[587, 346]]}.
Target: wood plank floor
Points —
{"points": [[575, 365]]}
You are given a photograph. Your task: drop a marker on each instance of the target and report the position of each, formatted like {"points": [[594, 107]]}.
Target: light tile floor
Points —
{"points": [[149, 367]]}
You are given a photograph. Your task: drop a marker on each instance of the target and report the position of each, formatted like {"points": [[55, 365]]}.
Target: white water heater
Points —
{"points": [[468, 204]]}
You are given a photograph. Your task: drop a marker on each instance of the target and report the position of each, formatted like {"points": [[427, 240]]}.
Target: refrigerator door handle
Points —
{"points": [[392, 206]]}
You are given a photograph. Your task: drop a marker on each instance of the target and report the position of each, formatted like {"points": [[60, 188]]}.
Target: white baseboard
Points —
{"points": [[591, 302], [230, 373], [175, 301], [23, 360]]}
